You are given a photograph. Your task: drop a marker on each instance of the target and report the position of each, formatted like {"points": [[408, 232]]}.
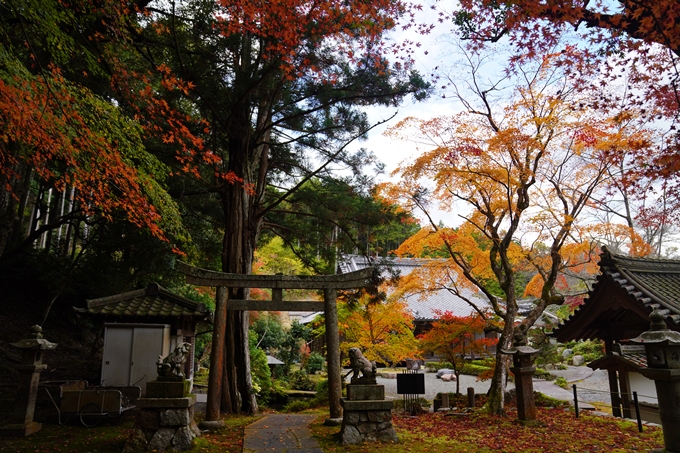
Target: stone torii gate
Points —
{"points": [[328, 283]]}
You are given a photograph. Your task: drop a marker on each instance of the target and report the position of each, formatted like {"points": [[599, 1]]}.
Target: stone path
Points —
{"points": [[281, 433]]}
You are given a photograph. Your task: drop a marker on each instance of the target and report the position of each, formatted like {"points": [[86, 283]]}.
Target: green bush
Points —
{"points": [[315, 363], [300, 380], [262, 380], [561, 382], [321, 397], [474, 370], [296, 406], [589, 349], [436, 366], [544, 374]]}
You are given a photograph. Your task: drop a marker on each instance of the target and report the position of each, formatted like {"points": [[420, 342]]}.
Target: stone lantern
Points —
{"points": [[523, 368], [662, 348], [32, 348]]}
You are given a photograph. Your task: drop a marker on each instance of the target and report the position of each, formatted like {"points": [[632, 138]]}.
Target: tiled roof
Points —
{"points": [[422, 307], [624, 294], [654, 283], [154, 301], [614, 360]]}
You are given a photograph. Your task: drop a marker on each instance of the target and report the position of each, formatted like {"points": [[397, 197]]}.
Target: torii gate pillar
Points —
{"points": [[333, 353]]}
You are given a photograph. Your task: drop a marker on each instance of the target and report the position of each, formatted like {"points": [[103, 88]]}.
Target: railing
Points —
{"points": [[621, 399]]}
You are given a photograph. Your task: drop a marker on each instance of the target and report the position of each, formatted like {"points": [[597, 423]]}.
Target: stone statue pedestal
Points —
{"points": [[367, 416], [165, 420]]}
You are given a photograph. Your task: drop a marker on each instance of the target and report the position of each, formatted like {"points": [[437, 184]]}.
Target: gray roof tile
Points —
{"points": [[421, 306], [154, 301]]}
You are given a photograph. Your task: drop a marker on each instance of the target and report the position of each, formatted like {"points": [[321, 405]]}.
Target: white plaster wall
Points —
{"points": [[644, 387]]}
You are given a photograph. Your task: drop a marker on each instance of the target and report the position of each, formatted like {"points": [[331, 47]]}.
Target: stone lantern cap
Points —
{"points": [[658, 332], [34, 340]]}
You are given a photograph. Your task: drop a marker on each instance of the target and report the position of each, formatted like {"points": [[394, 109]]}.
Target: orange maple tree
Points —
{"points": [[456, 338], [519, 173], [383, 330]]}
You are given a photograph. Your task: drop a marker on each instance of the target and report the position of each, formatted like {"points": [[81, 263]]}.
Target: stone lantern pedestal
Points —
{"points": [[523, 369], [662, 348], [32, 348]]}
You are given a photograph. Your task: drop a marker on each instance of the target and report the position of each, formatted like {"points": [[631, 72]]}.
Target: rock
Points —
{"points": [[578, 360], [161, 440], [386, 375], [147, 419], [175, 417], [387, 435], [443, 371], [350, 435], [136, 441], [567, 353], [194, 429], [448, 377], [380, 416], [183, 439]]}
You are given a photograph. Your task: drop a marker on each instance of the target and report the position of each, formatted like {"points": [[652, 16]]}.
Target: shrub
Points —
{"points": [[474, 370], [561, 382], [544, 374], [321, 397], [300, 380], [420, 403], [436, 366], [315, 363], [296, 406], [589, 349]]}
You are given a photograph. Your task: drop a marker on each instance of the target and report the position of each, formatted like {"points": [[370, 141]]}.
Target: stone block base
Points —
{"points": [[365, 392], [167, 389], [159, 428], [367, 421]]}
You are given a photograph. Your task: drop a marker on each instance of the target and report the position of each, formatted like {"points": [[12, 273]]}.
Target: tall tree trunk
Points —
{"points": [[241, 230], [496, 397]]}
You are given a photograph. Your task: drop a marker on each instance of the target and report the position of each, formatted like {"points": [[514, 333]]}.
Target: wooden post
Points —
{"points": [[625, 393], [212, 412], [333, 352], [614, 391]]}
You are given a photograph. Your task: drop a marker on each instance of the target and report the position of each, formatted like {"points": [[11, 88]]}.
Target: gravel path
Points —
{"points": [[592, 386], [434, 386]]}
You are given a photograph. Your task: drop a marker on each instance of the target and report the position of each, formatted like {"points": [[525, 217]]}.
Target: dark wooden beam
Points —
{"points": [[274, 305], [205, 277]]}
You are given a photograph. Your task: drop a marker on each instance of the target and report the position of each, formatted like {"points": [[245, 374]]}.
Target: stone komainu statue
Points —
{"points": [[361, 364], [170, 367]]}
